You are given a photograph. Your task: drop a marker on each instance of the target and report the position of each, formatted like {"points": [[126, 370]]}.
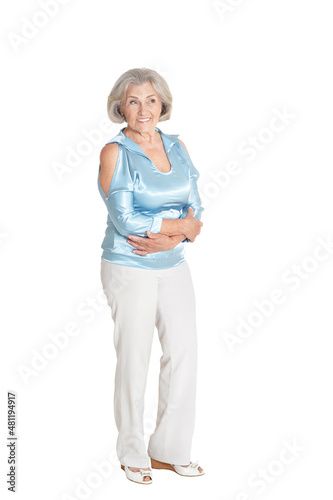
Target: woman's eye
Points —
{"points": [[132, 102], [152, 100]]}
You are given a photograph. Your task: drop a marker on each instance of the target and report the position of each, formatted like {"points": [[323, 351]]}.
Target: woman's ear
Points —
{"points": [[120, 110]]}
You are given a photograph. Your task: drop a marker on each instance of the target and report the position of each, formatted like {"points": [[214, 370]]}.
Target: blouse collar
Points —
{"points": [[168, 140]]}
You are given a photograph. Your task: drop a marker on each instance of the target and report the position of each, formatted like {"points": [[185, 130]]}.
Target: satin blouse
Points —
{"points": [[140, 196]]}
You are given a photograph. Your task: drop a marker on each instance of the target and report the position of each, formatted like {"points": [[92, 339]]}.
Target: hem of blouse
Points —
{"points": [[124, 260]]}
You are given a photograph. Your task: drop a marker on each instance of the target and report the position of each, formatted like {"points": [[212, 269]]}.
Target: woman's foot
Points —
{"points": [[199, 468], [144, 478], [192, 469]]}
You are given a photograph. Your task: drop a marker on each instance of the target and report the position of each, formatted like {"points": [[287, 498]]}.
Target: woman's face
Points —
{"points": [[142, 107]]}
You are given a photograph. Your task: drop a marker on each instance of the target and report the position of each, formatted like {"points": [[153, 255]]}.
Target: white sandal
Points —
{"points": [[191, 470], [137, 477]]}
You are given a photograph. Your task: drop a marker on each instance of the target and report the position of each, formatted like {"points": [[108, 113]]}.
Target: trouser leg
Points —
{"points": [[176, 324], [132, 296]]}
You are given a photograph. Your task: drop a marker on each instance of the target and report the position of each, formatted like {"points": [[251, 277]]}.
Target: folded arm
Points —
{"points": [[175, 226], [132, 223], [119, 200]]}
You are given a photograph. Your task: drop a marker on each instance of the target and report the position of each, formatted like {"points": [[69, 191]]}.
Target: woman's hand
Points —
{"points": [[155, 242], [192, 225]]}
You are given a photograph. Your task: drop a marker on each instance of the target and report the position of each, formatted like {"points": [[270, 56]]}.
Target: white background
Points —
{"points": [[229, 67]]}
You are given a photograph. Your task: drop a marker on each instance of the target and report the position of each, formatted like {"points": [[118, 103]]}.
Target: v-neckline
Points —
{"points": [[145, 154]]}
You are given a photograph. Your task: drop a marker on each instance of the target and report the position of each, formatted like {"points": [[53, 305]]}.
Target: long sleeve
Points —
{"points": [[119, 203], [194, 200]]}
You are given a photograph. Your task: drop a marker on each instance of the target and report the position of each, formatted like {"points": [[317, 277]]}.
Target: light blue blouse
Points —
{"points": [[140, 196]]}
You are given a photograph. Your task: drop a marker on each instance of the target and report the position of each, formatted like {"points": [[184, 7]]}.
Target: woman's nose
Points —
{"points": [[142, 109]]}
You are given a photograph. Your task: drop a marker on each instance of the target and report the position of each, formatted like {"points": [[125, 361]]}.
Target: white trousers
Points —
{"points": [[141, 299]]}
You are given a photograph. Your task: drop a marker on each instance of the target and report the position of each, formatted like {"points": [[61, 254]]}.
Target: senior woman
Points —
{"points": [[149, 185]]}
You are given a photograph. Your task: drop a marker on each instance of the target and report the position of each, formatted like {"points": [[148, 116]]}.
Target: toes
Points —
{"points": [[144, 478], [147, 477]]}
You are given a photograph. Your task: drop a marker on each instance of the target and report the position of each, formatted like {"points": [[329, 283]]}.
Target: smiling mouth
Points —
{"points": [[143, 120]]}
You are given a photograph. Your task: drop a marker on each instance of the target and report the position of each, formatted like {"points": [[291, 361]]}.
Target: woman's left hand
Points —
{"points": [[155, 242]]}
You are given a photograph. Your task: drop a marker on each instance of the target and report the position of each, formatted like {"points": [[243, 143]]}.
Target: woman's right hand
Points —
{"points": [[192, 225]]}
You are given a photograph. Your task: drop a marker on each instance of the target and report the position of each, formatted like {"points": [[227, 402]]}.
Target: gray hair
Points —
{"points": [[138, 76]]}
